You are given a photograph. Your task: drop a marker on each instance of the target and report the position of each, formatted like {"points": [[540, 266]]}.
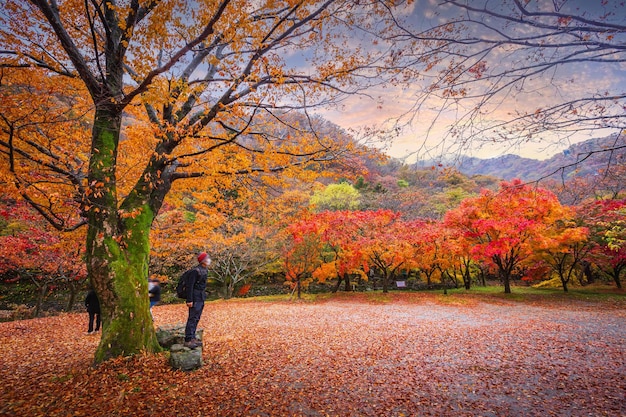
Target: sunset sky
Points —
{"points": [[582, 80]]}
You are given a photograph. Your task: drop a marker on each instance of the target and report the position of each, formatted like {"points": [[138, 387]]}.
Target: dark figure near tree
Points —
{"points": [[93, 308]]}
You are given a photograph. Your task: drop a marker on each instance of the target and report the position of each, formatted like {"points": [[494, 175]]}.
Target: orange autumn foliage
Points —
{"points": [[114, 110]]}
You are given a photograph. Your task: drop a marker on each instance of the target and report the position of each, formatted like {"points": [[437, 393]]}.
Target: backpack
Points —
{"points": [[181, 287]]}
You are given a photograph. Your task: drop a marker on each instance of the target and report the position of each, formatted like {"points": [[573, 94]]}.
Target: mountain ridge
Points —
{"points": [[582, 159]]}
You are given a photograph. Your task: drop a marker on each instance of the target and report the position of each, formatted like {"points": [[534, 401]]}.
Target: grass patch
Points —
{"points": [[284, 298], [460, 296], [373, 297], [595, 293], [378, 297], [454, 299]]}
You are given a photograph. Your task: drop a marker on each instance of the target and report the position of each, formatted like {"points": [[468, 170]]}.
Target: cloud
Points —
{"points": [[420, 127]]}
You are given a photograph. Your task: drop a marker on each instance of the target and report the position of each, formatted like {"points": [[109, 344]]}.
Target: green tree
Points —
{"points": [[335, 197]]}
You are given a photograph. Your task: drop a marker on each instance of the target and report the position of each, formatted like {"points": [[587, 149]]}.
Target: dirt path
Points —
{"points": [[335, 358]]}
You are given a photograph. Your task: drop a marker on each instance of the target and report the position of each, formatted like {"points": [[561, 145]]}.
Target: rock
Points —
{"points": [[172, 337], [185, 359], [171, 334]]}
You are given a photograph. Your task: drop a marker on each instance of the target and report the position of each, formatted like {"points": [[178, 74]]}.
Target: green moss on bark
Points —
{"points": [[130, 329]]}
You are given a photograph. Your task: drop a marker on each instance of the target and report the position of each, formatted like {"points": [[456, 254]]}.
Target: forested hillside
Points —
{"points": [[247, 228]]}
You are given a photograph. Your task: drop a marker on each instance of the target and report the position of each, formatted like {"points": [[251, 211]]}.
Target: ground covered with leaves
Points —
{"points": [[349, 355]]}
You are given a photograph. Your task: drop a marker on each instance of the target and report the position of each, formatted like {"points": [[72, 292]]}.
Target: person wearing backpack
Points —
{"points": [[196, 294]]}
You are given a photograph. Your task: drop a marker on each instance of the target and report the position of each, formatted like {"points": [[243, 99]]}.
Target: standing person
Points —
{"points": [[154, 292], [196, 294], [93, 308]]}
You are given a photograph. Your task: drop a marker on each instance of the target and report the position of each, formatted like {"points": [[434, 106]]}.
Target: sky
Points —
{"points": [[421, 139]]}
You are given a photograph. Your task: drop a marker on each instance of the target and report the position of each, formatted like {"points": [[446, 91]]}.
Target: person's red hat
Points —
{"points": [[202, 257]]}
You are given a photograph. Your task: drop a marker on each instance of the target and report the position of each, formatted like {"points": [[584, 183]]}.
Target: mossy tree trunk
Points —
{"points": [[118, 246], [118, 243]]}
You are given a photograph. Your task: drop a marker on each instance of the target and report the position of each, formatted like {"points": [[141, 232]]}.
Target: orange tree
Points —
{"points": [[426, 238], [107, 105], [302, 254], [240, 248], [334, 244], [340, 230], [507, 227], [241, 211], [339, 249], [318, 247], [384, 241], [570, 246], [455, 255]]}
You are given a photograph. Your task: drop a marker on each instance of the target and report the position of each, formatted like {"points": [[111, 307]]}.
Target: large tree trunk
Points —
{"points": [[506, 280], [615, 274], [385, 281], [587, 271], [346, 278], [465, 272], [118, 250], [119, 276], [506, 265]]}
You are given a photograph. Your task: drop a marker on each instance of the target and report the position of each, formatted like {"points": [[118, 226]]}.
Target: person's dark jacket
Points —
{"points": [[92, 303], [196, 284]]}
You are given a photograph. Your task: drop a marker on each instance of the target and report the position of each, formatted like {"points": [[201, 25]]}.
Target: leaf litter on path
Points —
{"points": [[340, 357]]}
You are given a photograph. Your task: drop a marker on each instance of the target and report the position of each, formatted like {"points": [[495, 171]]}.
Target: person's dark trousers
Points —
{"points": [[192, 321], [93, 316]]}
